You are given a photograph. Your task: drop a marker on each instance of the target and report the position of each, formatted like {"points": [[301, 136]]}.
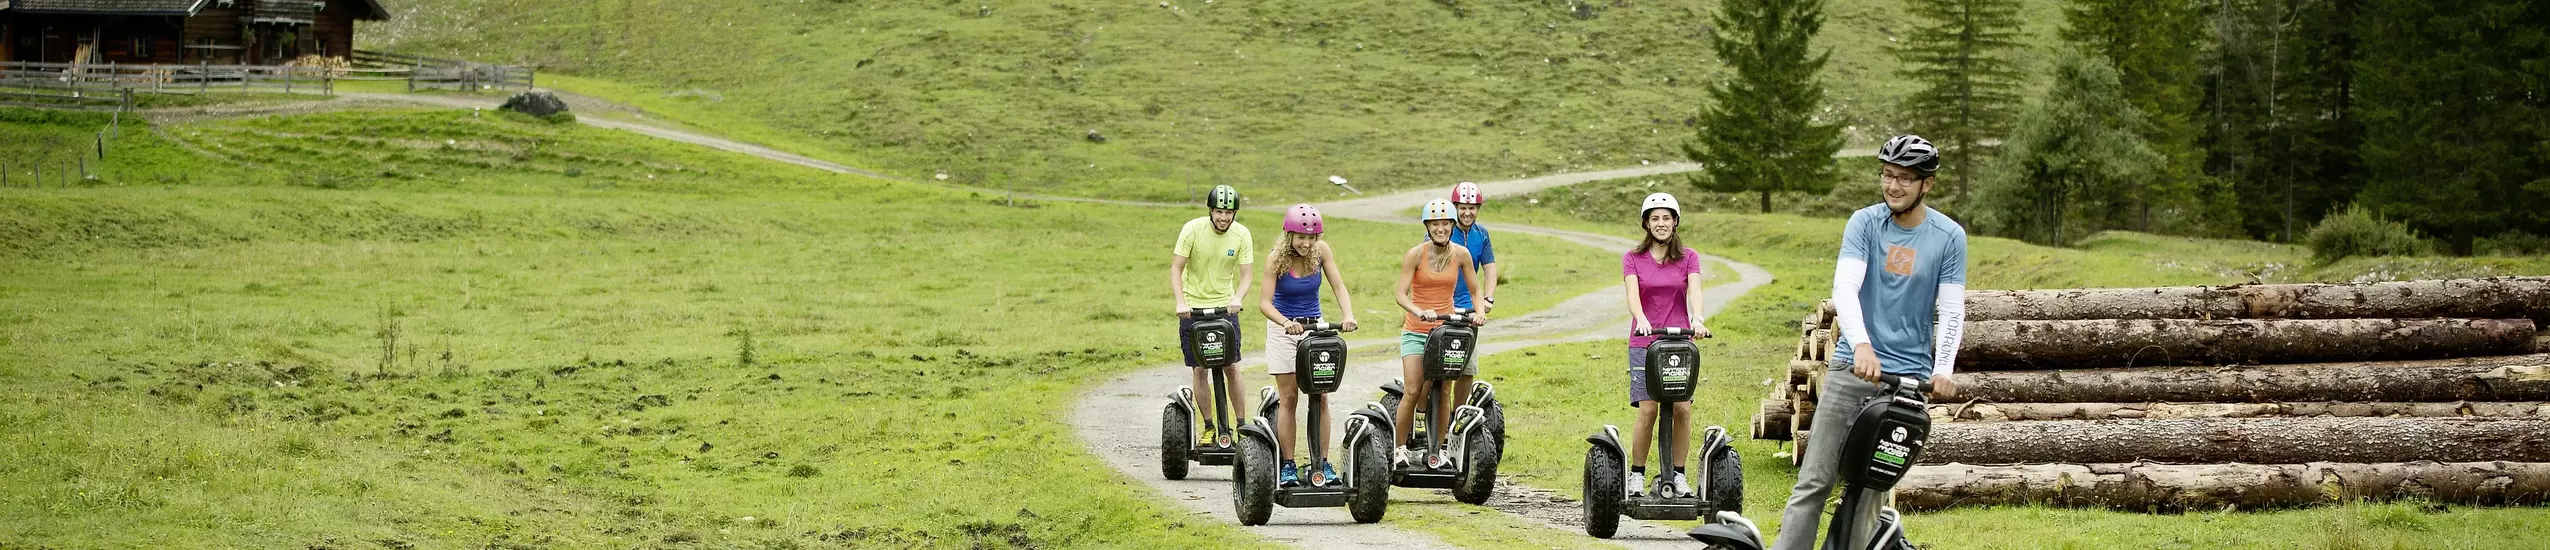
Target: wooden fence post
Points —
{"points": [[411, 74], [101, 149], [203, 78]]}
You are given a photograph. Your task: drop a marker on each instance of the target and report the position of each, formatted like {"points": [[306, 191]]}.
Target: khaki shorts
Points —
{"points": [[1281, 348]]}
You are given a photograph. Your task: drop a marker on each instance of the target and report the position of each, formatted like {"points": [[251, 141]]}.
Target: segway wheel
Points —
{"points": [[1372, 479], [1253, 481], [1726, 480], [1603, 492], [1495, 425], [1177, 439], [1478, 478]]}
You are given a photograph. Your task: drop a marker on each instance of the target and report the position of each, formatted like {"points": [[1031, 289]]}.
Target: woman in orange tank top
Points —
{"points": [[1426, 277]]}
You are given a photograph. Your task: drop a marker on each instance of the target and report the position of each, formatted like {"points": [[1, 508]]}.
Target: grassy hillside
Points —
{"points": [[1275, 95], [1558, 394], [428, 329]]}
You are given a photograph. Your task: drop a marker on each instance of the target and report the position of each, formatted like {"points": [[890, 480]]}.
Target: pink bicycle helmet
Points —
{"points": [[1468, 193], [1303, 219]]}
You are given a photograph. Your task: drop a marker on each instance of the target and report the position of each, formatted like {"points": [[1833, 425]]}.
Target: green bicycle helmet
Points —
{"points": [[1223, 197]]}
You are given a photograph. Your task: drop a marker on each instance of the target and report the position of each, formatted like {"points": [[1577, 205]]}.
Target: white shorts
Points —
{"points": [[1280, 348]]}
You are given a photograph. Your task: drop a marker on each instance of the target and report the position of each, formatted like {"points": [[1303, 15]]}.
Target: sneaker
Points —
{"points": [[1637, 484], [1288, 476], [1204, 433], [1442, 460], [1402, 457], [1681, 486], [1327, 475]]}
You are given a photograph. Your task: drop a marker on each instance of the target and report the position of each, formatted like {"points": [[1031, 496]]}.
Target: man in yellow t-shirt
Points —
{"points": [[1213, 253]]}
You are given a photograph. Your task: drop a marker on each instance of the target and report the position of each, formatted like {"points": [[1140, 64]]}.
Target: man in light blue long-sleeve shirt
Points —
{"points": [[1899, 299]]}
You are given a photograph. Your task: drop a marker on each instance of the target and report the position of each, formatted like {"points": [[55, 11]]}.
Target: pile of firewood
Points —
{"points": [[2250, 396]]}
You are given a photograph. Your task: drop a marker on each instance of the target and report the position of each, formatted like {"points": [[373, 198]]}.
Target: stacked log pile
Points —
{"points": [[2250, 396]]}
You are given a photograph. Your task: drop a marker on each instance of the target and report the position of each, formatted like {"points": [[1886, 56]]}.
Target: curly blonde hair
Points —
{"points": [[1289, 261]]}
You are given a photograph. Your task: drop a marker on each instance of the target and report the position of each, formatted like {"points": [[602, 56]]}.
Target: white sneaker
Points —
{"points": [[1400, 458], [1440, 461], [1682, 486], [1637, 484]]}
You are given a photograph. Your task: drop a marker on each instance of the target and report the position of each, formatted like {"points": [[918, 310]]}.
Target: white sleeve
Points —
{"points": [[1950, 331], [1848, 275]]}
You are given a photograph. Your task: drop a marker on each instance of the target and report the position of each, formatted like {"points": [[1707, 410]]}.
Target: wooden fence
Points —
{"points": [[419, 73]]}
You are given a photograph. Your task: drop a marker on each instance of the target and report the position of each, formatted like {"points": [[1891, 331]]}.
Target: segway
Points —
{"points": [[1214, 339], [1365, 487], [1475, 448], [1670, 362], [1885, 441]]}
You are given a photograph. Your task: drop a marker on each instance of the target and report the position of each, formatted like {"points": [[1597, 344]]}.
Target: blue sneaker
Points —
{"points": [[1327, 474], [1289, 476]]}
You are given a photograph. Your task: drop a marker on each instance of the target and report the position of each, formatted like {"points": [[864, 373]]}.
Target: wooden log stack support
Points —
{"points": [[2244, 397]]}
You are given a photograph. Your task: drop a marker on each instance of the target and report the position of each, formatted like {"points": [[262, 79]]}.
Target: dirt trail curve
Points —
{"points": [[1114, 418]]}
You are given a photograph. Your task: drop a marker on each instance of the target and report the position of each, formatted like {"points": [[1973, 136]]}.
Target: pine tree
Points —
{"points": [[1760, 134], [2074, 154], [1964, 54], [2154, 46], [2278, 101], [2455, 103]]}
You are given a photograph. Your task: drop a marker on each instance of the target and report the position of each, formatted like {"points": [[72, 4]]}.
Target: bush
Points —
{"points": [[2512, 243], [2355, 231]]}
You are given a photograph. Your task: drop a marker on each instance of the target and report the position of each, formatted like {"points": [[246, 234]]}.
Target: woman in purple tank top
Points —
{"points": [[1298, 265]]}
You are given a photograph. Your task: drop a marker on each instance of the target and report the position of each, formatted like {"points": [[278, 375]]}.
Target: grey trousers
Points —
{"points": [[1836, 406]]}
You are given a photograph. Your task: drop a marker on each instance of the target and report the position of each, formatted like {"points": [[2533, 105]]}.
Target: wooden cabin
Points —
{"points": [[221, 32]]}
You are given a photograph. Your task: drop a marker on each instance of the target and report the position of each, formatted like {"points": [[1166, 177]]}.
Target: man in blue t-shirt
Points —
{"points": [[1467, 232], [1899, 298]]}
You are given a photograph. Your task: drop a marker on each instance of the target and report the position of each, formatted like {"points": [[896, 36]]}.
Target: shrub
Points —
{"points": [[2355, 231], [2512, 243]]}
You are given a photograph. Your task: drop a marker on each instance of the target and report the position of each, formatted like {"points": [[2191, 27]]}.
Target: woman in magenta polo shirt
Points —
{"points": [[1663, 281]]}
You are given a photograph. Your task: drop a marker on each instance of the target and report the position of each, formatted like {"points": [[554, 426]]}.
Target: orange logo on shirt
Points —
{"points": [[1899, 260]]}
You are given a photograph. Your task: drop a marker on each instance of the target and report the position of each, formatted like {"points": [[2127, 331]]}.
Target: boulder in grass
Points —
{"points": [[538, 104]]}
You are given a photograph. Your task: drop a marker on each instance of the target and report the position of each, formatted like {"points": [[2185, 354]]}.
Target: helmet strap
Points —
{"points": [[1916, 203]]}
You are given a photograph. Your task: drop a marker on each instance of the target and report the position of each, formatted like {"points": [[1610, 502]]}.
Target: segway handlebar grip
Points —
{"points": [[1460, 316], [1212, 311], [1313, 324], [1666, 331], [1897, 381]]}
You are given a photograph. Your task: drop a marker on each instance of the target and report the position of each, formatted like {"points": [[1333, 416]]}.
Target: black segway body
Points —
{"points": [[1672, 360], [1214, 339], [1320, 365], [1886, 439]]}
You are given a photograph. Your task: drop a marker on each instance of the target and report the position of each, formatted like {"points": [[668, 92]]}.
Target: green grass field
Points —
{"points": [[427, 329], [1276, 94], [1557, 395]]}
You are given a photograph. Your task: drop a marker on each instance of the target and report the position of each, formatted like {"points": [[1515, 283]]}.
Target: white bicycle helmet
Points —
{"points": [[1660, 200], [1911, 151], [1438, 209]]}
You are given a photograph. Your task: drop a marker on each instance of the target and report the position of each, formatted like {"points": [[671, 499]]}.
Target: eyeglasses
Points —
{"points": [[1892, 180]]}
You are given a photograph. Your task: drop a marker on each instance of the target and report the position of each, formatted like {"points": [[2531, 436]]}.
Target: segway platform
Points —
{"points": [[1312, 497]]}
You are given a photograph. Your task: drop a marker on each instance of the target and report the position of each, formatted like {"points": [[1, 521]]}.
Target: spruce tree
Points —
{"points": [[1760, 132], [2073, 155], [2455, 104], [1964, 53], [2154, 46], [2281, 130]]}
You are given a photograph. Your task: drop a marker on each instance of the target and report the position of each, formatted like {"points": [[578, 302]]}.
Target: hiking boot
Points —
{"points": [[1289, 476], [1637, 484]]}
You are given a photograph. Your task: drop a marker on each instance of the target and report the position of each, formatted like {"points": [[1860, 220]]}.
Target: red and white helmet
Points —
{"points": [[1468, 193], [1303, 219]]}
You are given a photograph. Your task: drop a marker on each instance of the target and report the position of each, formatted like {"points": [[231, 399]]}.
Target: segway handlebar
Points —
{"points": [[1212, 311], [1666, 331], [1897, 381], [1313, 324], [1459, 316]]}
